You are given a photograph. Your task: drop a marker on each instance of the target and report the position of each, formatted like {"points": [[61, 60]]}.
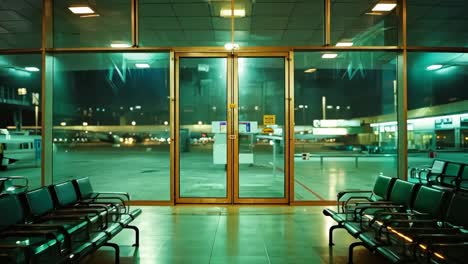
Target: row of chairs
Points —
{"points": [[61, 223], [442, 173], [405, 222]]}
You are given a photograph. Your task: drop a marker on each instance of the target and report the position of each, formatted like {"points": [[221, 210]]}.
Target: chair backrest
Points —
{"points": [[83, 187], [431, 201], [451, 172], [456, 212], [11, 210], [403, 193], [64, 193], [464, 178], [40, 202], [382, 187], [438, 166]]}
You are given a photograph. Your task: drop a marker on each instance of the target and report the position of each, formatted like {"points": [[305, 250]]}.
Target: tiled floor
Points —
{"points": [[234, 234]]}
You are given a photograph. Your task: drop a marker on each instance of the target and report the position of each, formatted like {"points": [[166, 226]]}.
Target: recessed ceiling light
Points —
{"points": [[311, 70], [120, 45], [344, 44], [384, 7], [329, 56], [32, 69], [434, 67], [237, 13], [81, 10], [142, 65], [231, 46]]}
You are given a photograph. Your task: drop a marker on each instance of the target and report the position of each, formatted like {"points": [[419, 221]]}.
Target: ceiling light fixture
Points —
{"points": [[81, 10], [31, 69], [434, 67], [228, 12], [142, 65], [344, 44], [231, 46], [311, 70], [375, 13], [120, 45], [90, 15], [384, 7], [329, 56]]}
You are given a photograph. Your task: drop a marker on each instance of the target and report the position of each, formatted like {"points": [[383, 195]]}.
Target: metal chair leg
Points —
{"points": [[330, 234], [116, 250], [351, 249], [137, 235]]}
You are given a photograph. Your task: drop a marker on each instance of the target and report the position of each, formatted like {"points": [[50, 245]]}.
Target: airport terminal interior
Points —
{"points": [[232, 124]]}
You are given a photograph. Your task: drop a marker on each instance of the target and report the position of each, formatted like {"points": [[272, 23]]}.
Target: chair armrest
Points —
{"points": [[342, 193]]}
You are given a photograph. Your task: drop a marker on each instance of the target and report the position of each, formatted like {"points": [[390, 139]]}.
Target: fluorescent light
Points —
{"points": [[384, 7], [434, 67], [31, 69], [329, 56], [231, 46], [344, 44], [311, 70], [80, 10], [142, 65], [237, 13], [120, 45]]}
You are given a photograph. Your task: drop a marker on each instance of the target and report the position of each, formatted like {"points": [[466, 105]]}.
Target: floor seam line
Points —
{"points": [[214, 239], [266, 250]]}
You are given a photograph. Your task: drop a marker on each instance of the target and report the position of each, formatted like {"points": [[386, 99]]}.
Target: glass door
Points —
{"points": [[202, 146], [260, 150], [231, 128]]}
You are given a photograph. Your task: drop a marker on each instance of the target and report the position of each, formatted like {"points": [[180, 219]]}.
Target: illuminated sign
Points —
{"points": [[269, 120], [443, 123], [337, 123], [330, 131]]}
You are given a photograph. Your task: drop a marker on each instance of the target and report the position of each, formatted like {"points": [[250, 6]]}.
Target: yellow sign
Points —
{"points": [[269, 120]]}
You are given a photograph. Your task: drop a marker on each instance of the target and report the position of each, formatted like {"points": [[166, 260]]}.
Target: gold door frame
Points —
{"points": [[286, 130], [176, 174], [232, 171]]}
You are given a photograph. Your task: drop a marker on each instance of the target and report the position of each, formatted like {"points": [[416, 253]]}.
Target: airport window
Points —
{"points": [[202, 23], [111, 121], [364, 23], [100, 23], [339, 142], [437, 106], [20, 119], [20, 24], [437, 23]]}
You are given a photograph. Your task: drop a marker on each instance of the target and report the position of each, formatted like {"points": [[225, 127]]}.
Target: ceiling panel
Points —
{"points": [[192, 9], [259, 23], [156, 10], [272, 9], [190, 23]]}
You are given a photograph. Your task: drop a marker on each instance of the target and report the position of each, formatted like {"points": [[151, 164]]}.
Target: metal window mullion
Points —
{"points": [[327, 23], [402, 99]]}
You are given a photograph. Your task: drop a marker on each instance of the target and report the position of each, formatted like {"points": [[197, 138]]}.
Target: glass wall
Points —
{"points": [[20, 118], [339, 143], [437, 23], [98, 23], [111, 121], [207, 23], [20, 24], [364, 23], [438, 106]]}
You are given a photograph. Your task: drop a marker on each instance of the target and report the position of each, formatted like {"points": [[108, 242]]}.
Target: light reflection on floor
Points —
{"points": [[234, 234]]}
